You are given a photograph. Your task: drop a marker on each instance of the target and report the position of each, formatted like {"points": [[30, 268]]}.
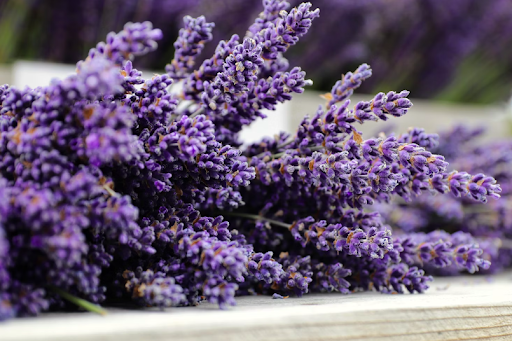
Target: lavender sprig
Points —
{"points": [[191, 40]]}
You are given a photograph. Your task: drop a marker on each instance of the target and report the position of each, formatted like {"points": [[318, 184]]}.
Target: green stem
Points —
{"points": [[256, 217], [94, 308]]}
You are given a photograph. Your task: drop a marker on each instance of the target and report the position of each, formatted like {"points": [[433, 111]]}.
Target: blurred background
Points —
{"points": [[456, 52]]}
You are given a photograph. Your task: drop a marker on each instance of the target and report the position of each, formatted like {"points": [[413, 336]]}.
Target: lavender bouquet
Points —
{"points": [[117, 189]]}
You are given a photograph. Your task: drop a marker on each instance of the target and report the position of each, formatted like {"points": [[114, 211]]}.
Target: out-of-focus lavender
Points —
{"points": [[456, 50], [434, 218], [63, 31]]}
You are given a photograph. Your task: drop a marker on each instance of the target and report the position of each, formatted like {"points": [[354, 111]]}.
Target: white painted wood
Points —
{"points": [[462, 308], [275, 122], [34, 74]]}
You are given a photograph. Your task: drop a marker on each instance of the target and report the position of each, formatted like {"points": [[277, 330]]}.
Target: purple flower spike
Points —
{"points": [[241, 67], [345, 87], [420, 137], [220, 292], [264, 268], [269, 15], [134, 39], [153, 288], [331, 278], [278, 36], [481, 185], [468, 257], [191, 40], [438, 253], [477, 187]]}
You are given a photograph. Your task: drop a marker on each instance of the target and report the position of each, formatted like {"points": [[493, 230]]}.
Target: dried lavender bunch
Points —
{"points": [[104, 170], [475, 224]]}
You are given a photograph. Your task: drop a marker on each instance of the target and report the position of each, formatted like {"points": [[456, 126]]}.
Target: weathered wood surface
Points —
{"points": [[464, 308]]}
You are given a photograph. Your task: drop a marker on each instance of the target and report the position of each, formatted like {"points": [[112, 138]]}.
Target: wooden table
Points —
{"points": [[462, 308]]}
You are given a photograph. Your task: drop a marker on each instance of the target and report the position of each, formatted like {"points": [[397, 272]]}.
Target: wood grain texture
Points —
{"points": [[463, 308]]}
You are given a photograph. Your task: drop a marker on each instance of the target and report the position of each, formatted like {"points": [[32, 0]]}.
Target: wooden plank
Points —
{"points": [[462, 308]]}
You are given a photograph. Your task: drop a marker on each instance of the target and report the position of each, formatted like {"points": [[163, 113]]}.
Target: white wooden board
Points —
{"points": [[463, 308]]}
